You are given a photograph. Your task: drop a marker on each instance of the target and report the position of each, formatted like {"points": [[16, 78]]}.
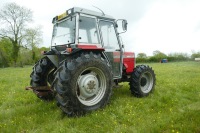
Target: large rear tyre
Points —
{"points": [[83, 84], [142, 81], [41, 76]]}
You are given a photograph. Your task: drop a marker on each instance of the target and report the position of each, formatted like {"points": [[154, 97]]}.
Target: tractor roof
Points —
{"points": [[80, 10]]}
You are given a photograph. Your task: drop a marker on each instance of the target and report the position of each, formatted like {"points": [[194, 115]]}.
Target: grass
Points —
{"points": [[174, 106]]}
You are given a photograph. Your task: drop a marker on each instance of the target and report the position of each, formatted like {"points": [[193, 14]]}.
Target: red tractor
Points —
{"points": [[86, 60]]}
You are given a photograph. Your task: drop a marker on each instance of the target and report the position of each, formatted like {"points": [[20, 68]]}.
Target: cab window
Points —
{"points": [[108, 33], [88, 30]]}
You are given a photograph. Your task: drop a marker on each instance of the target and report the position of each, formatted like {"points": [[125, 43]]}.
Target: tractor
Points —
{"points": [[86, 61]]}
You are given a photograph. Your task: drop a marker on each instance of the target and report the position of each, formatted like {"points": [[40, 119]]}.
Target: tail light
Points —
{"points": [[69, 50]]}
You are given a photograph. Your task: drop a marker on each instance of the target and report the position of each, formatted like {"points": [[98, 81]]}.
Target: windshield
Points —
{"points": [[64, 32]]}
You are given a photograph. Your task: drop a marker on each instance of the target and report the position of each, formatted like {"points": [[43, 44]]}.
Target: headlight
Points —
{"points": [[69, 11]]}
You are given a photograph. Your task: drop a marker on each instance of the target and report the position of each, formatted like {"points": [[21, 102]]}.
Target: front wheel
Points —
{"points": [[83, 84], [142, 81]]}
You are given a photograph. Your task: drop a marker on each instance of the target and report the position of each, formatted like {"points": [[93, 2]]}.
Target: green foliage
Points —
{"points": [[141, 60], [178, 57], [38, 53], [154, 59], [5, 52], [25, 54], [25, 57], [32, 39], [141, 57], [158, 56], [173, 107], [195, 55], [14, 20]]}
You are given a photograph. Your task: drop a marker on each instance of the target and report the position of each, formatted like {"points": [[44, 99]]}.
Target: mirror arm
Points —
{"points": [[121, 32]]}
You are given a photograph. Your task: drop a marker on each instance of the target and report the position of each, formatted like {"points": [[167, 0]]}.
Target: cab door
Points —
{"points": [[112, 46]]}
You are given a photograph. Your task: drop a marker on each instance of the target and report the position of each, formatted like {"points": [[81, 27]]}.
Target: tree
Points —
{"points": [[141, 55], [195, 55], [178, 56], [157, 56], [14, 18], [32, 39]]}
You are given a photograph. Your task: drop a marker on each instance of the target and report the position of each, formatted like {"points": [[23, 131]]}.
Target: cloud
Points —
{"points": [[168, 27]]}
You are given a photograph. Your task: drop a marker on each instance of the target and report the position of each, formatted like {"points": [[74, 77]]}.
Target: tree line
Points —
{"points": [[158, 56], [26, 56]]}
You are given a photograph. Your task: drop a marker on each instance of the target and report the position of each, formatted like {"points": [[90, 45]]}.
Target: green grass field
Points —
{"points": [[174, 106]]}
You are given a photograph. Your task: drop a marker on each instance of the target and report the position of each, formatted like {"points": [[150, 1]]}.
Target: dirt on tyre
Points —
{"points": [[142, 81], [42, 75], [83, 84]]}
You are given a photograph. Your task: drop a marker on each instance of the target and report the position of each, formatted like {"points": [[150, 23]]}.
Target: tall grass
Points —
{"points": [[174, 106]]}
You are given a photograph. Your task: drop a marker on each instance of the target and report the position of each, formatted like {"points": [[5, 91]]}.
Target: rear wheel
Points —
{"points": [[42, 76], [83, 84], [142, 81]]}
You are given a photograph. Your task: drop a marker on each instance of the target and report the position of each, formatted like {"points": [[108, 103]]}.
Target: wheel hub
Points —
{"points": [[88, 85], [91, 85], [143, 81]]}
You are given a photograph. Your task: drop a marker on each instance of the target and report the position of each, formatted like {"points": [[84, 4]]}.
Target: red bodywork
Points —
{"points": [[90, 47], [129, 61], [128, 57]]}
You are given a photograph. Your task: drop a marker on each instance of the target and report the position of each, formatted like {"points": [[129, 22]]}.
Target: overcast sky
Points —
{"points": [[164, 25]]}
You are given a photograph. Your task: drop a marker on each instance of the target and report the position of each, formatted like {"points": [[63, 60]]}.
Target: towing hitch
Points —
{"points": [[43, 92]]}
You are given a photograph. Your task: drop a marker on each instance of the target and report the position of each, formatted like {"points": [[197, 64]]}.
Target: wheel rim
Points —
{"points": [[146, 82], [91, 86]]}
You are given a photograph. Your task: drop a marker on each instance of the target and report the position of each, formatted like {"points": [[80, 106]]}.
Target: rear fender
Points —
{"points": [[54, 59], [60, 53]]}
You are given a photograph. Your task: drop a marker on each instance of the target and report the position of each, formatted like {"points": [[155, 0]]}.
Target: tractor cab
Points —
{"points": [[80, 28]]}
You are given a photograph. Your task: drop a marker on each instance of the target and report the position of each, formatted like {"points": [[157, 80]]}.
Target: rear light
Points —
{"points": [[69, 50]]}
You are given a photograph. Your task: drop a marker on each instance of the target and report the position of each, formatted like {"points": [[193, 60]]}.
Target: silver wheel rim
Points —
{"points": [[146, 82], [91, 86]]}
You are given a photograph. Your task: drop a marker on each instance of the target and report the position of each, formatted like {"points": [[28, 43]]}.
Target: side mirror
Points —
{"points": [[121, 25], [124, 25]]}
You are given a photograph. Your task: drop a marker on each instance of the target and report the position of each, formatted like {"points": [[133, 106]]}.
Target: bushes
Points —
{"points": [[195, 55], [142, 59], [5, 53], [157, 56]]}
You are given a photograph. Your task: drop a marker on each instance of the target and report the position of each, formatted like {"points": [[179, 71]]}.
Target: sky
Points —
{"points": [[165, 25]]}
